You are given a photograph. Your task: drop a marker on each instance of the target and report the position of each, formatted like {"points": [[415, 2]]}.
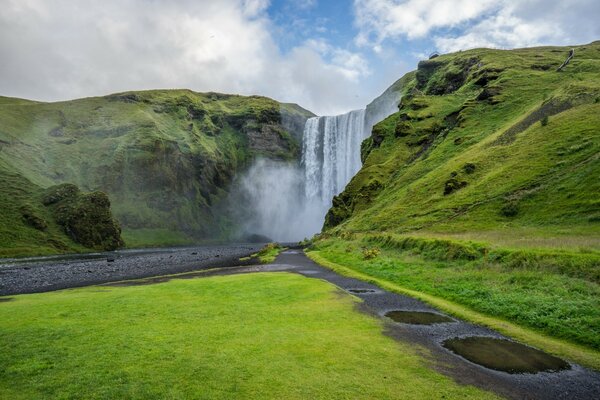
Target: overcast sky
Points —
{"points": [[328, 56]]}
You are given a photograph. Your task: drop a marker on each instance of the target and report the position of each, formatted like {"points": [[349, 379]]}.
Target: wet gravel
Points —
{"points": [[42, 274]]}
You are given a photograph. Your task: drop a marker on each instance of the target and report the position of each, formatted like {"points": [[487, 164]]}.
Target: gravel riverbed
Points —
{"points": [[42, 274]]}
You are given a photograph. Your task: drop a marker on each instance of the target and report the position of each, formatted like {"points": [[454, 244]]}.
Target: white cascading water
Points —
{"points": [[331, 154], [287, 202]]}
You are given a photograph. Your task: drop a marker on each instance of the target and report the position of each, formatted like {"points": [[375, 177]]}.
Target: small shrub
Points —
{"points": [[268, 248], [306, 242], [453, 185], [32, 219], [469, 168], [57, 193], [403, 129], [544, 121], [370, 253], [510, 209], [345, 235]]}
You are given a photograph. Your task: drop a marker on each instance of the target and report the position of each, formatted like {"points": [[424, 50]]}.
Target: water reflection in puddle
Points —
{"points": [[504, 355]]}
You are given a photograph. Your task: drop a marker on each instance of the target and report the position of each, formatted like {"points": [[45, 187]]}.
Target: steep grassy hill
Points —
{"points": [[482, 195], [165, 158], [485, 141]]}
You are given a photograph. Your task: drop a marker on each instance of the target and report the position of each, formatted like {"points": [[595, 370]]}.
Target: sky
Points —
{"points": [[328, 56]]}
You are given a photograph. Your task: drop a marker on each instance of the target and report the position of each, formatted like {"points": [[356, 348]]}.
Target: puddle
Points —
{"points": [[361, 291], [417, 317], [505, 355], [5, 299]]}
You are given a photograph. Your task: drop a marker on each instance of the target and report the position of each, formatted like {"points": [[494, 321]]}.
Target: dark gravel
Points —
{"points": [[42, 274]]}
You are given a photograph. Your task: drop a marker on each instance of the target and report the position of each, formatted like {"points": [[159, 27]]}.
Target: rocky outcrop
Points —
{"points": [[85, 217]]}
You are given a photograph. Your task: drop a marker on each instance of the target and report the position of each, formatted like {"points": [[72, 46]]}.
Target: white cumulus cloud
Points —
{"points": [[461, 24], [62, 49]]}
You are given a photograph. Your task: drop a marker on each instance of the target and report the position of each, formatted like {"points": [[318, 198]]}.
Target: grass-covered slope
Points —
{"points": [[485, 140], [61, 218], [483, 189], [164, 157], [267, 336]]}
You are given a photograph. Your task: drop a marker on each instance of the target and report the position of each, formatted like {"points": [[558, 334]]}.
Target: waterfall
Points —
{"points": [[331, 154], [288, 202]]}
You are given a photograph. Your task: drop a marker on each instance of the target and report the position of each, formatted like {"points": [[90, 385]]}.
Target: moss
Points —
{"points": [[469, 168], [452, 185], [31, 218], [403, 128], [365, 148], [85, 217], [510, 209], [340, 210]]}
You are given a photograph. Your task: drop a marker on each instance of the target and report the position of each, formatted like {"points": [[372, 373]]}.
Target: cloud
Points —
{"points": [[350, 64], [253, 8], [461, 24], [60, 49], [381, 19]]}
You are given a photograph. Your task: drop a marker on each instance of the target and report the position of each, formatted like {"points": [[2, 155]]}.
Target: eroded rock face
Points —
{"points": [[85, 217]]}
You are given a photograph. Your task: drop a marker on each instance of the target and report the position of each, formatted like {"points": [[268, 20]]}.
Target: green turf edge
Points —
{"points": [[579, 354]]}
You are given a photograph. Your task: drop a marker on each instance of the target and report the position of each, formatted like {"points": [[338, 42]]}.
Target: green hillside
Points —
{"points": [[484, 190], [470, 150], [165, 158]]}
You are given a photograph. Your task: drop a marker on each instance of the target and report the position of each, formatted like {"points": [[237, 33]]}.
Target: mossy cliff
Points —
{"points": [[60, 218], [165, 158], [484, 140]]}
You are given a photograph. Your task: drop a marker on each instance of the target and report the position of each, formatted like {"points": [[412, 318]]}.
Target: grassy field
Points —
{"points": [[268, 335], [529, 295]]}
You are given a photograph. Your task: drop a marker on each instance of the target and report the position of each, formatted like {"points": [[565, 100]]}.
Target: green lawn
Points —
{"points": [[529, 295], [268, 335]]}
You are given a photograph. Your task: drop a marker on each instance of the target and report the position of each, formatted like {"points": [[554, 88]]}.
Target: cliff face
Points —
{"points": [[483, 139], [165, 158]]}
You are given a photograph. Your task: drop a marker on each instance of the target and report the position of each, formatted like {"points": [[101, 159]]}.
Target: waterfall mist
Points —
{"points": [[273, 196], [288, 201]]}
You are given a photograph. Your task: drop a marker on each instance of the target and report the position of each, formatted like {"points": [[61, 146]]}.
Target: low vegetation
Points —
{"points": [[267, 254], [59, 219], [527, 294], [269, 335], [450, 160]]}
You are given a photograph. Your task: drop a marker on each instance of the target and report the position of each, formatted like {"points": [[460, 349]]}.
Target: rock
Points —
{"points": [[85, 217]]}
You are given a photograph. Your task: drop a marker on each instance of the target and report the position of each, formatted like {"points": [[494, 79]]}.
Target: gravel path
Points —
{"points": [[42, 274]]}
